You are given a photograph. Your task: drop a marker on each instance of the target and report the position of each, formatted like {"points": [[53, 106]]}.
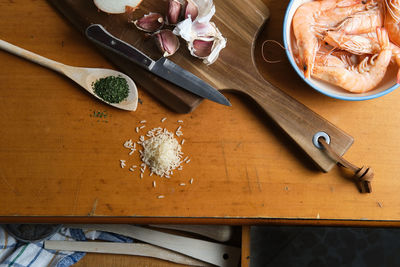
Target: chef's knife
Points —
{"points": [[163, 67]]}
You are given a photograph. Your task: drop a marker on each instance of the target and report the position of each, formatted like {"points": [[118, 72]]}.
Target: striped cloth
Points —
{"points": [[17, 254]]}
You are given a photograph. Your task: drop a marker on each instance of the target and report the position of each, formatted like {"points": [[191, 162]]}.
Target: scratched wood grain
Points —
{"points": [[60, 148]]}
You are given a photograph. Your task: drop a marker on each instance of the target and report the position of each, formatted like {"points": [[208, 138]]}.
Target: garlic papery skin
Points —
{"points": [[167, 42], [151, 22], [206, 10], [174, 11]]}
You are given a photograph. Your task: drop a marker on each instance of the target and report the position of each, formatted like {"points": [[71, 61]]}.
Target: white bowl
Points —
{"points": [[386, 86]]}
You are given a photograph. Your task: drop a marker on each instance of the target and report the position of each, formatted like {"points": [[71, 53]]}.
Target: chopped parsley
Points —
{"points": [[111, 89]]}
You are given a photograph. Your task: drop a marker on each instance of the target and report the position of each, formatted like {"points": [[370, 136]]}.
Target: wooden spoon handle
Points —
{"points": [[221, 233], [300, 123], [45, 62], [135, 249]]}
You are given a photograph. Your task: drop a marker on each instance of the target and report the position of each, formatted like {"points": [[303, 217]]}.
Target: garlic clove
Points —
{"points": [[202, 48], [191, 10], [174, 11], [151, 22], [167, 42]]}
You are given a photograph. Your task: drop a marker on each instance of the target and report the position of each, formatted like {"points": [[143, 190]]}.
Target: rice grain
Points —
{"points": [[122, 163]]}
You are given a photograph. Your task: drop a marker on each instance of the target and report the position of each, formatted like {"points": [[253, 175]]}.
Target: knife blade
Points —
{"points": [[162, 67]]}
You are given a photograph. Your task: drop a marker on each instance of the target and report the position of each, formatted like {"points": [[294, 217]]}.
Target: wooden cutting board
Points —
{"points": [[234, 70]]}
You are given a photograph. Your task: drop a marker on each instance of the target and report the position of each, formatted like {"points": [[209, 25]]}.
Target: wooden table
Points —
{"points": [[60, 149]]}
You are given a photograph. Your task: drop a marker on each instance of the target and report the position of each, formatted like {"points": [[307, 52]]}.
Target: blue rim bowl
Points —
{"points": [[386, 86]]}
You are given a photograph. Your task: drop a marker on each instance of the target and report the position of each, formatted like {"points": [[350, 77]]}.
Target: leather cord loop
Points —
{"points": [[362, 176]]}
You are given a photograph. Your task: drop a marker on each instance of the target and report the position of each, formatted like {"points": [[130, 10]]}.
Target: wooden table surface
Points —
{"points": [[60, 149]]}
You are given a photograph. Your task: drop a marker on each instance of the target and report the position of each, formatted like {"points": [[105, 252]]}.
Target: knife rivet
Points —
{"points": [[317, 136], [113, 42]]}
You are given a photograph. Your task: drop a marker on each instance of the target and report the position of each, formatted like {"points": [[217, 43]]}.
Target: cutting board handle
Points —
{"points": [[300, 123]]}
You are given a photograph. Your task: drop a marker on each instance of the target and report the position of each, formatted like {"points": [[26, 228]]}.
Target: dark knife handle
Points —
{"points": [[100, 36]]}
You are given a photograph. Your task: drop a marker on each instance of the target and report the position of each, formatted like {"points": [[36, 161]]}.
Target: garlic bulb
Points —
{"points": [[203, 38]]}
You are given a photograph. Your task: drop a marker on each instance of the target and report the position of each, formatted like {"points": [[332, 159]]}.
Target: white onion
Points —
{"points": [[117, 6]]}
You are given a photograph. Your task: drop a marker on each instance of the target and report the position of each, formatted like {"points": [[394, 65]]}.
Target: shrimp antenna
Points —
{"points": [[330, 52], [262, 51]]}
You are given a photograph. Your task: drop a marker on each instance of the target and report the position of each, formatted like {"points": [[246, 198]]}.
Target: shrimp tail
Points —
{"points": [[383, 38]]}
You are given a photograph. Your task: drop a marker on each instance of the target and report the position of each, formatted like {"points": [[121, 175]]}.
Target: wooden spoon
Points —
{"points": [[82, 76], [135, 249]]}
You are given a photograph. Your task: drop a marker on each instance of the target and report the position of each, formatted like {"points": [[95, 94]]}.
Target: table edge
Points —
{"points": [[197, 220]]}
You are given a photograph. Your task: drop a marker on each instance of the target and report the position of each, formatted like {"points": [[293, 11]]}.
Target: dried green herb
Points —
{"points": [[111, 89]]}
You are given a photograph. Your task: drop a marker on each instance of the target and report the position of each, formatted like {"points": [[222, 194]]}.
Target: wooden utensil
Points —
{"points": [[234, 70], [136, 249], [82, 76], [214, 253], [221, 233]]}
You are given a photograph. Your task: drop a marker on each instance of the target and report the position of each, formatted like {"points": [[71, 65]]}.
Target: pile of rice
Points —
{"points": [[161, 152]]}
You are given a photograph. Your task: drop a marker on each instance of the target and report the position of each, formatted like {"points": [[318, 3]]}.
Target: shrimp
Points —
{"points": [[330, 58], [361, 44], [303, 21], [362, 77], [392, 20], [361, 22], [331, 17], [356, 44]]}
